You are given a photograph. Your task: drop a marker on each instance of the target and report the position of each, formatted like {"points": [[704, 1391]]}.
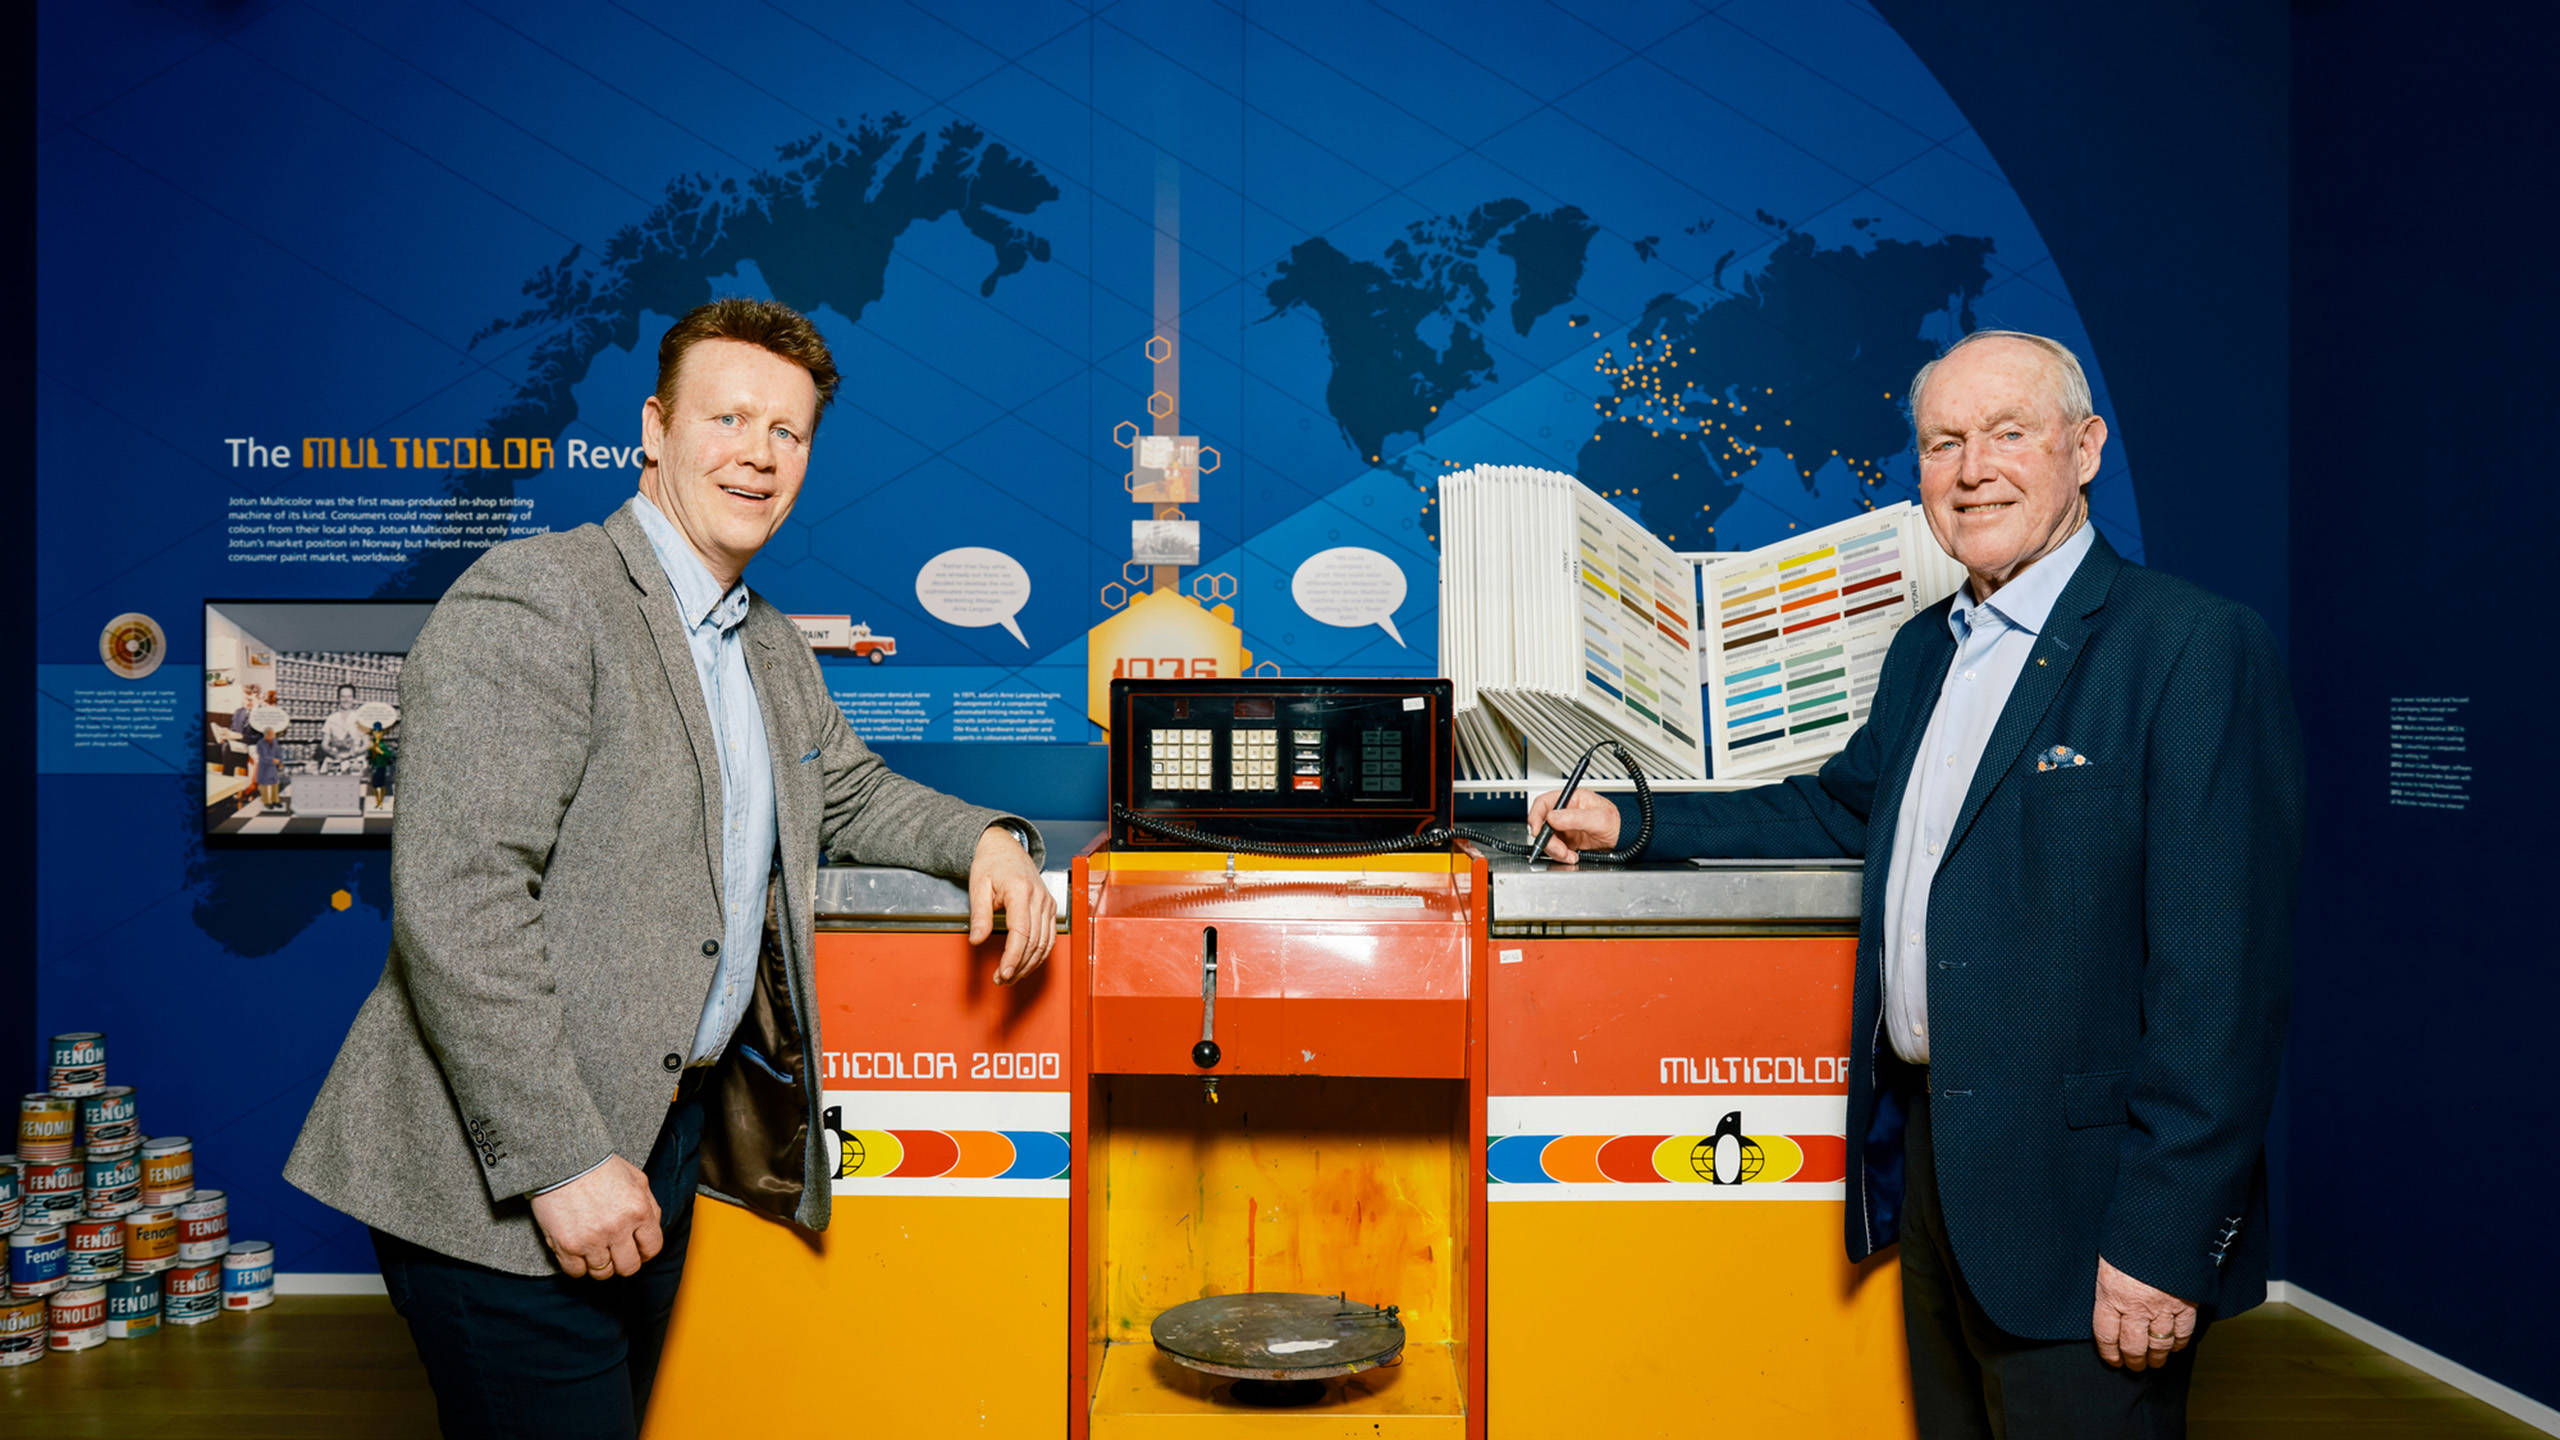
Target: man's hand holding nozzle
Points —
{"points": [[1589, 822]]}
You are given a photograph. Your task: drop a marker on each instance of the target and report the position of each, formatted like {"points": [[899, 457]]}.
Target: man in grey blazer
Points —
{"points": [[621, 773]]}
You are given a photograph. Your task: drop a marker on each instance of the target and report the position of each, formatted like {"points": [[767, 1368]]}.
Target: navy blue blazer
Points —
{"points": [[2112, 945]]}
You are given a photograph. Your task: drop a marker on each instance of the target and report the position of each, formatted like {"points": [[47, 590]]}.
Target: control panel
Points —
{"points": [[1280, 760]]}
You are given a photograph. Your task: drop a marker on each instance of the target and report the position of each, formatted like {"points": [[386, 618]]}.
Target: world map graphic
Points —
{"points": [[1714, 336], [1821, 336], [1801, 356]]}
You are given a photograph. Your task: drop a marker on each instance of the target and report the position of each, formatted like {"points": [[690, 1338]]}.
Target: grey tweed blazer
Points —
{"points": [[555, 883]]}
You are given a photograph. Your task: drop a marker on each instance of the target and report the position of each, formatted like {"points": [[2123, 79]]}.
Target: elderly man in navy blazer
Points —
{"points": [[2079, 796]]}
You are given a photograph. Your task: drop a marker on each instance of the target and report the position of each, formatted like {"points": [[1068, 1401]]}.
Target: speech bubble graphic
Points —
{"points": [[377, 712], [1349, 586], [974, 586], [270, 717]]}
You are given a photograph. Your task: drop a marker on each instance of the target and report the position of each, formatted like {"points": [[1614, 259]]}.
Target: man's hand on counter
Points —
{"points": [[1589, 823], [1002, 877]]}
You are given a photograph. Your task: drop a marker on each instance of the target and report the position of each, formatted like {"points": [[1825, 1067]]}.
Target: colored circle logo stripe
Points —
{"points": [[930, 1154], [1659, 1159], [953, 1155]]}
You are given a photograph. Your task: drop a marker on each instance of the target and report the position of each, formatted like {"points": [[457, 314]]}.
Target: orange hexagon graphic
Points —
{"points": [[1162, 635]]}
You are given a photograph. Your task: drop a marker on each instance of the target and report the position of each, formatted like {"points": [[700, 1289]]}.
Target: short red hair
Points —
{"points": [[765, 324]]}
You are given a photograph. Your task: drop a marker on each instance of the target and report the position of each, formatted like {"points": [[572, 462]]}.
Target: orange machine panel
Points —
{"points": [[1346, 973], [931, 1305], [1344, 1154], [1665, 1147]]}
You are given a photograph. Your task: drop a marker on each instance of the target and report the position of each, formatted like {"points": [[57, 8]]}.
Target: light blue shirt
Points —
{"points": [[748, 838], [1992, 640]]}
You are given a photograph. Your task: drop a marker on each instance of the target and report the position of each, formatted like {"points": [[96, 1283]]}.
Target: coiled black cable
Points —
{"points": [[1644, 805], [1435, 838]]}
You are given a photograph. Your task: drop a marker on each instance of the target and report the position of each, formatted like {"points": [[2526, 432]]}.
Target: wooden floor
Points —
{"points": [[331, 1366], [2277, 1372], [308, 1365]]}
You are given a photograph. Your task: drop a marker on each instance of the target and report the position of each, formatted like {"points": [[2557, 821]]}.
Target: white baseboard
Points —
{"points": [[2399, 1347], [308, 1282]]}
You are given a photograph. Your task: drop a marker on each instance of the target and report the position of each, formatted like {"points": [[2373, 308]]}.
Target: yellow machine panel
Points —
{"points": [[936, 1300], [1727, 1319], [1303, 1183], [913, 1317]]}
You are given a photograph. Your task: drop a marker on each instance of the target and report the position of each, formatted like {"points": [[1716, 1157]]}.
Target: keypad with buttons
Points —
{"points": [[1381, 762], [1253, 760], [1179, 759]]}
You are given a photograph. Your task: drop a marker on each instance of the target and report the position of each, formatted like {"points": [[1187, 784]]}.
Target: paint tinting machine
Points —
{"points": [[1277, 1048], [1318, 1123]]}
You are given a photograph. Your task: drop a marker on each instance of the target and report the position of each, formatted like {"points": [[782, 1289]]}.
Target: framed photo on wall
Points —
{"points": [[301, 719]]}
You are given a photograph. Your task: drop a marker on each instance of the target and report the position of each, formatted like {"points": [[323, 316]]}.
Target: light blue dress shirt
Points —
{"points": [[748, 838], [1993, 638]]}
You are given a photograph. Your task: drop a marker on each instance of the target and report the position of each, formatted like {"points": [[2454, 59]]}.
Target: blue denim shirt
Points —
{"points": [[747, 829], [1992, 640]]}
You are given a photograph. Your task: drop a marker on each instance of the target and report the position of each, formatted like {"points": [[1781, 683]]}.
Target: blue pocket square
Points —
{"points": [[2060, 756], [812, 755]]}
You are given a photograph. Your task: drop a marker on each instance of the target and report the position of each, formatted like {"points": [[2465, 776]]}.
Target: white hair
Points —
{"points": [[2070, 379]]}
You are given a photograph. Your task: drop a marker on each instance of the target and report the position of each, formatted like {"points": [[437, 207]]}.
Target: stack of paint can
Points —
{"points": [[192, 1294], [249, 1276], [204, 1228], [133, 1306], [76, 1318], [107, 1231], [21, 1330]]}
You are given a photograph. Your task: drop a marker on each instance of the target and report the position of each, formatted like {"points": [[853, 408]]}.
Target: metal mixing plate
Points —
{"points": [[1278, 1336]]}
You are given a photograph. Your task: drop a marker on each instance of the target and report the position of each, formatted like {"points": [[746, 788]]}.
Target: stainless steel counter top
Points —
{"points": [[883, 897], [1724, 898], [1813, 896], [1736, 897]]}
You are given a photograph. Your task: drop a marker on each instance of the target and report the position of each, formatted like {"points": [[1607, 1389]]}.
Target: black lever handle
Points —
{"points": [[1205, 1054]]}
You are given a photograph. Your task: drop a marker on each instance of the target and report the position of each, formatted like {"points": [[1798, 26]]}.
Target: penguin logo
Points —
{"points": [[1728, 1157], [848, 1150]]}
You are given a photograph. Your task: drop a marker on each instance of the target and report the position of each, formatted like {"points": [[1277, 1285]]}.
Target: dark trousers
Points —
{"points": [[1971, 1380], [550, 1357]]}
